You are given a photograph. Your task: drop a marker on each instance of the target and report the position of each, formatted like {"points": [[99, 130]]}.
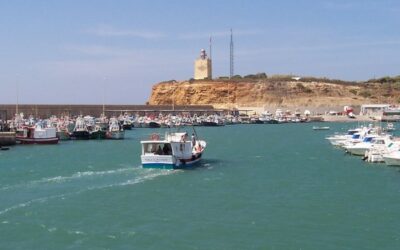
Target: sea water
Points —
{"points": [[257, 187]]}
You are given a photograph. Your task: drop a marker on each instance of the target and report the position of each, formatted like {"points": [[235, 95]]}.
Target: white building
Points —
{"points": [[373, 109]]}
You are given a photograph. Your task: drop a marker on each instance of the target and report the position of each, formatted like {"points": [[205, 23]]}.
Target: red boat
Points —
{"points": [[36, 135]]}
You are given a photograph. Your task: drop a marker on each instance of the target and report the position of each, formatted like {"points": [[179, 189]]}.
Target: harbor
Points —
{"points": [[191, 125], [58, 191]]}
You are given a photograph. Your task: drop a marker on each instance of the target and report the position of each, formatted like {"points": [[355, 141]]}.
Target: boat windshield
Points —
{"points": [[158, 148], [367, 139]]}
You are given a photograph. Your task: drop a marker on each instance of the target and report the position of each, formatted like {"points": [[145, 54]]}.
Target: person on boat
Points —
{"points": [[193, 139], [165, 149], [159, 150]]}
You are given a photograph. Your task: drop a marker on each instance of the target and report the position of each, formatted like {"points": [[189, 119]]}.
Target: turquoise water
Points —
{"points": [[258, 187]]}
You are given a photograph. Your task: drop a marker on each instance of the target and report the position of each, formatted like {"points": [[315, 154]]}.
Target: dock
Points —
{"points": [[7, 138]]}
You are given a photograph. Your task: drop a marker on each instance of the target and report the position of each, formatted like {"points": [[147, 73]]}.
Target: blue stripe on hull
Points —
{"points": [[158, 165], [170, 166]]}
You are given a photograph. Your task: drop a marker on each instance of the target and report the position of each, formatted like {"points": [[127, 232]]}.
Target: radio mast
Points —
{"points": [[231, 71]]}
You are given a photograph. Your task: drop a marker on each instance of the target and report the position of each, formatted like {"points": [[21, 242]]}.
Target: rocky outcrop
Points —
{"points": [[273, 93]]}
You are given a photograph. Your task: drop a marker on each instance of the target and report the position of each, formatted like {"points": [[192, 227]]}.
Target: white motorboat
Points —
{"points": [[366, 144], [338, 139], [175, 151], [392, 159], [376, 152], [320, 128]]}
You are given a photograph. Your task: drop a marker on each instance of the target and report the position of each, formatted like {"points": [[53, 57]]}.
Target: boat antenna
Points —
{"points": [[195, 133]]}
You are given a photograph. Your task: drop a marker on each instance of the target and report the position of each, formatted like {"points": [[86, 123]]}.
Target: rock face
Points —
{"points": [[272, 93]]}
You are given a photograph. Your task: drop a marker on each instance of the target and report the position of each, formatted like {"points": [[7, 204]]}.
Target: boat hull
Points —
{"points": [[115, 135], [97, 135], [209, 124], [356, 151], [80, 135], [63, 135], [391, 161], [53, 140], [154, 125], [169, 162]]}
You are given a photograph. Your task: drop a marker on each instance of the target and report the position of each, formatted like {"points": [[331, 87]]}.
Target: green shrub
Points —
{"points": [[353, 91]]}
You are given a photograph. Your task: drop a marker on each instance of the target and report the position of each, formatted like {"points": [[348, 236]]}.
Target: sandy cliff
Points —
{"points": [[272, 93]]}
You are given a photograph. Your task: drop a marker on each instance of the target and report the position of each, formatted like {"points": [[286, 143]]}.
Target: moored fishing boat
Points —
{"points": [[36, 135], [97, 133], [175, 151], [115, 131], [80, 131]]}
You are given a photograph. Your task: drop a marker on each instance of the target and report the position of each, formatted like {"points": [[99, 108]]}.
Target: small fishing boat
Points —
{"points": [[115, 130], [36, 135], [80, 131], [320, 128], [97, 133], [175, 151], [154, 124]]}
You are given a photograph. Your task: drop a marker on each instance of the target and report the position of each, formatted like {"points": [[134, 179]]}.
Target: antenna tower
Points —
{"points": [[210, 48], [231, 57]]}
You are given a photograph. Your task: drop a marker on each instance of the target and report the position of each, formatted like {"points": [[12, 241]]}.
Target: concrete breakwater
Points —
{"points": [[7, 138], [7, 111]]}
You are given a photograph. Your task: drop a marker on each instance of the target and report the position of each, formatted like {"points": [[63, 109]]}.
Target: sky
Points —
{"points": [[95, 51]]}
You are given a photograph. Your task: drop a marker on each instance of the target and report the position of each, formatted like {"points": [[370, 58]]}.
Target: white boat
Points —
{"points": [[376, 152], [359, 148], [175, 151], [37, 134], [392, 159], [320, 128], [115, 131], [338, 139]]}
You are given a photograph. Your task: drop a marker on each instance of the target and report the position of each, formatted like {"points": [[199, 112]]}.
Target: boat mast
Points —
{"points": [[16, 106], [104, 96]]}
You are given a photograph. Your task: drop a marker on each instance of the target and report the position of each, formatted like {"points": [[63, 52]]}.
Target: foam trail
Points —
{"points": [[77, 175], [28, 203], [137, 180]]}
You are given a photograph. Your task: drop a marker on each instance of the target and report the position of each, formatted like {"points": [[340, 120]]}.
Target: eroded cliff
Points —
{"points": [[273, 93]]}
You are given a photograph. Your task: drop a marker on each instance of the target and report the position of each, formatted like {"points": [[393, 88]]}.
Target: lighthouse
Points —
{"points": [[202, 67]]}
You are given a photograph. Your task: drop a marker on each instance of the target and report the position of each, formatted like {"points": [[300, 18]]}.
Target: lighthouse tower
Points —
{"points": [[202, 67]]}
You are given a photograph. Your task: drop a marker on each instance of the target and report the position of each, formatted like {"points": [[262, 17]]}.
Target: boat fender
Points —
{"points": [[181, 147]]}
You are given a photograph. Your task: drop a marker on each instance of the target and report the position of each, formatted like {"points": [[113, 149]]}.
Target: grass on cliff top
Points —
{"points": [[289, 78]]}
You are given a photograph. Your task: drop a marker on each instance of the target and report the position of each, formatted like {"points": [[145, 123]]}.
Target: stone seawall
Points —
{"points": [[7, 138], [44, 111]]}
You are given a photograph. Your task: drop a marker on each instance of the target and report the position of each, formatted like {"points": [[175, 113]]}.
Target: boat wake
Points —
{"points": [[143, 175], [75, 176], [78, 175]]}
